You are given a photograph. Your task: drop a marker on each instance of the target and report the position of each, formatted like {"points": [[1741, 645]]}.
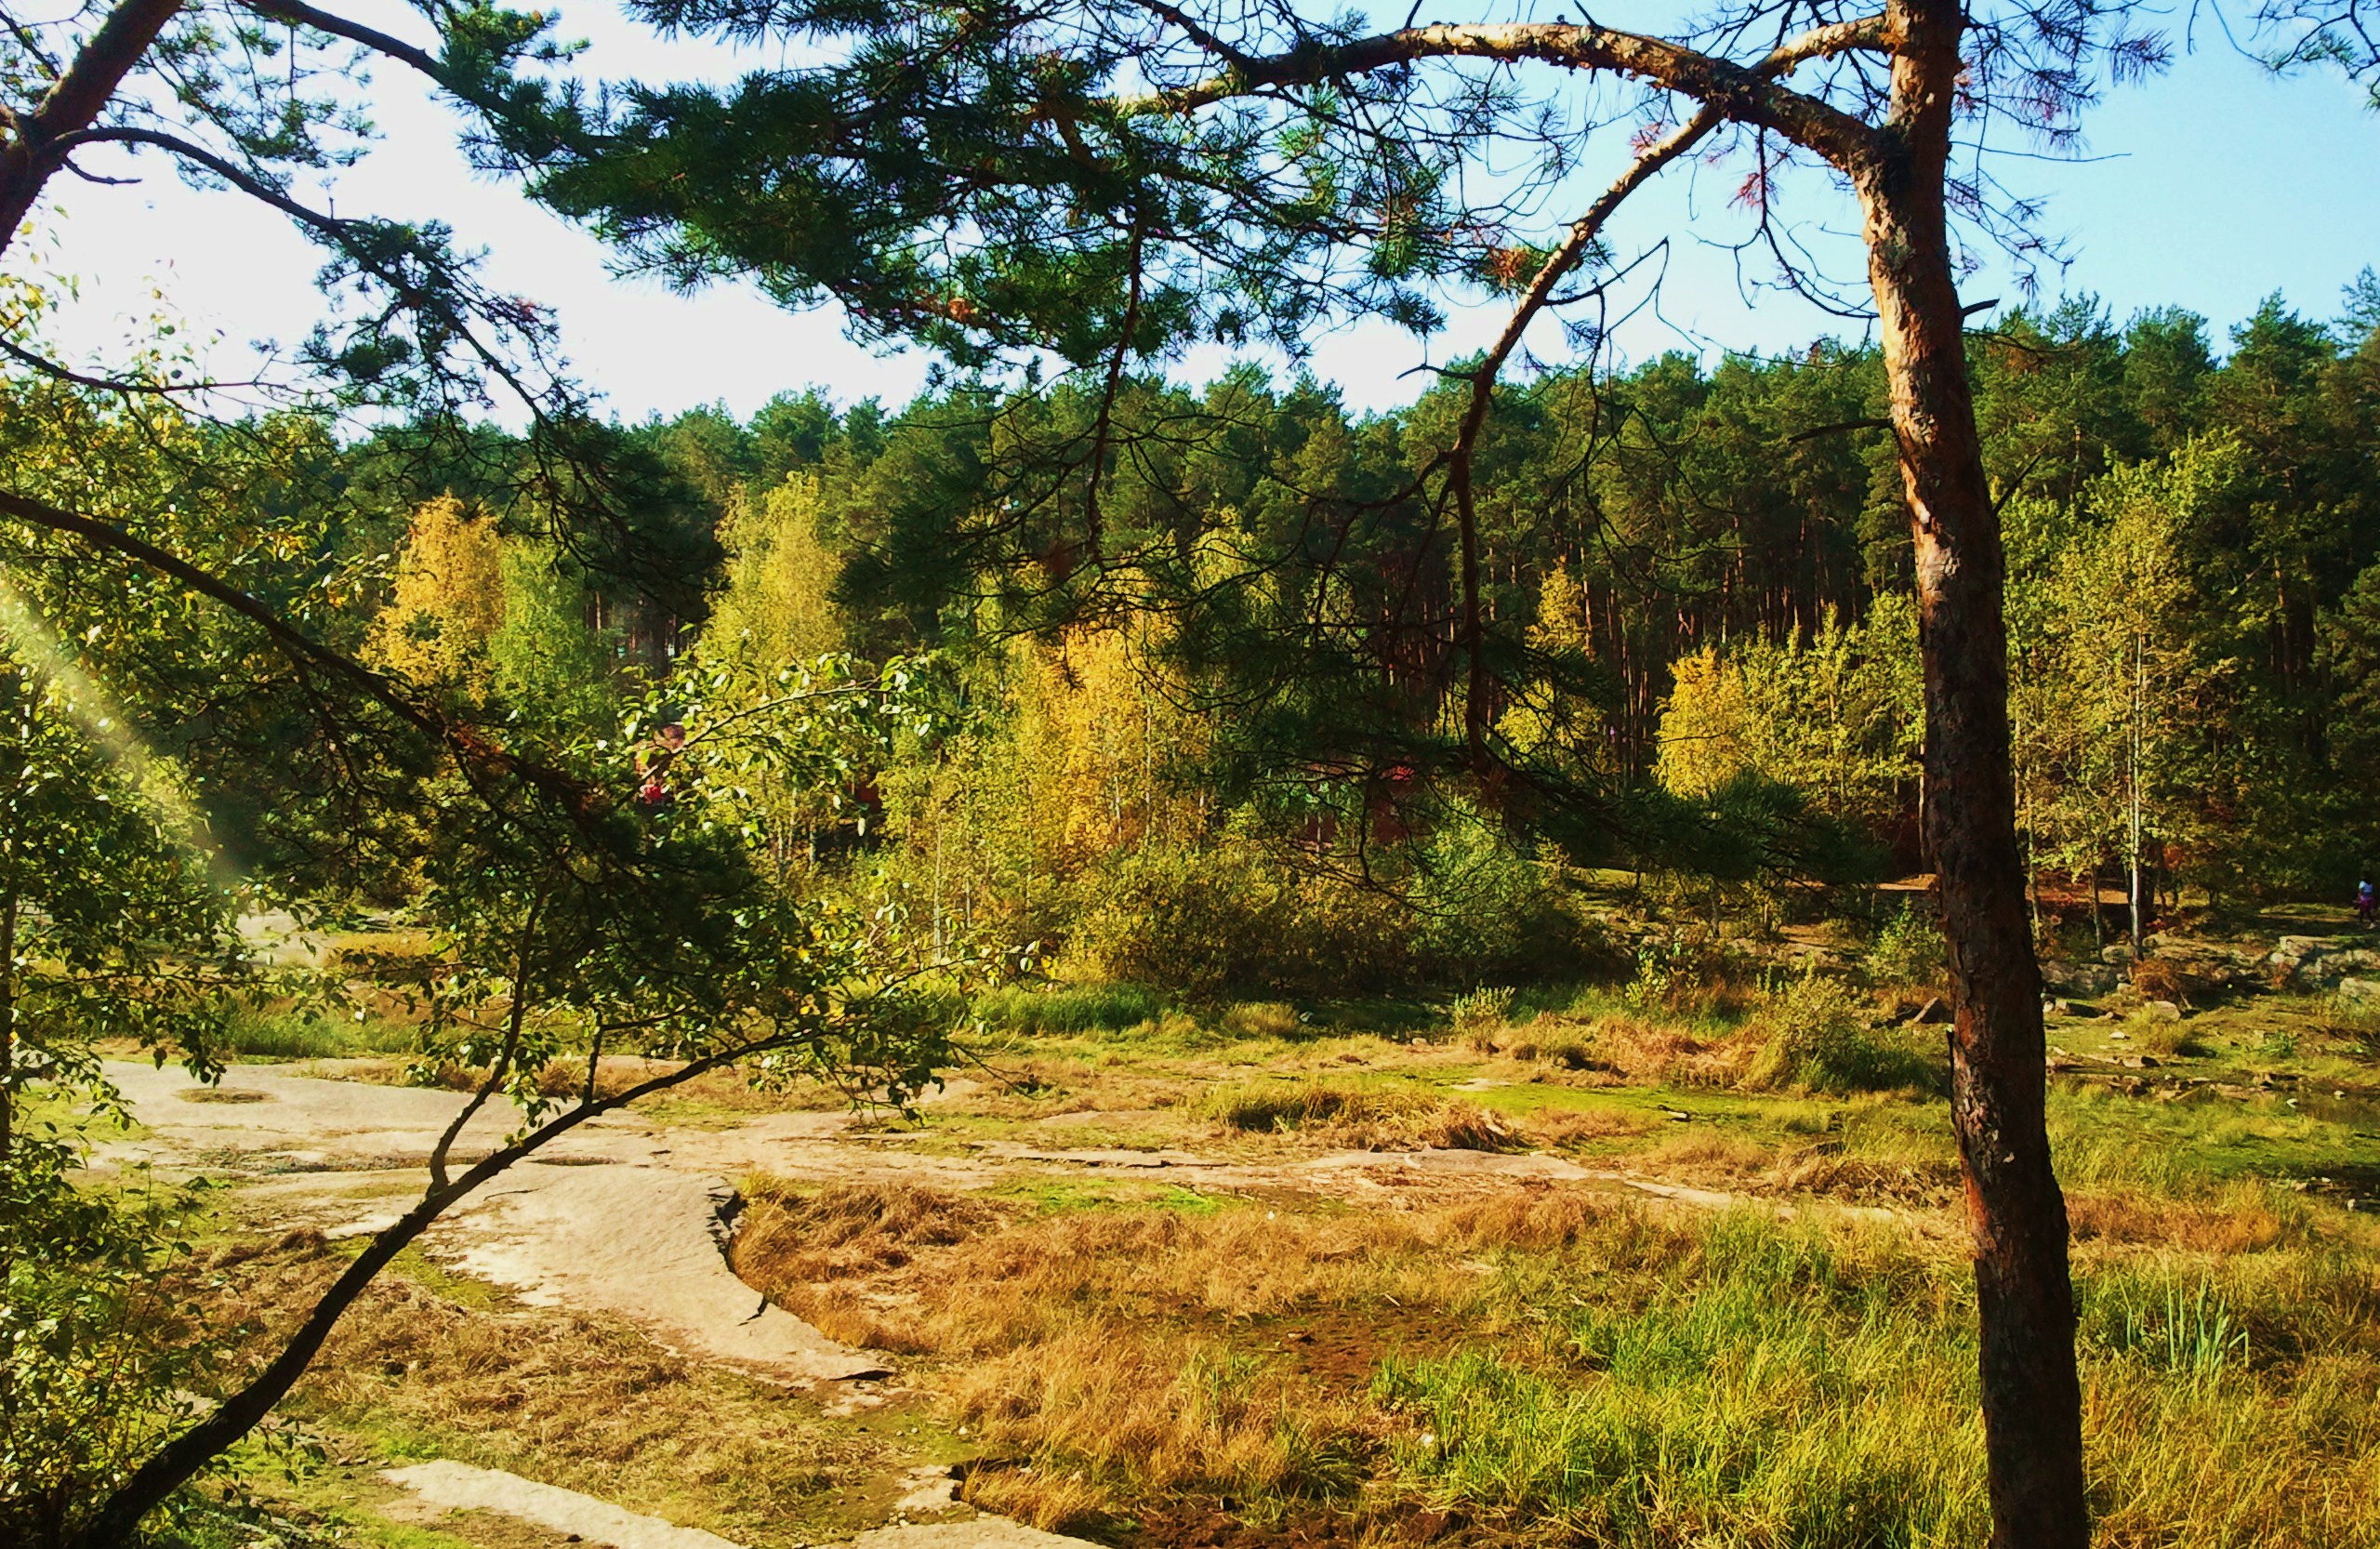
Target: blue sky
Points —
{"points": [[2208, 188]]}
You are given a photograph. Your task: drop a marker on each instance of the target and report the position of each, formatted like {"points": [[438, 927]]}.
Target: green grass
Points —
{"points": [[2103, 1138], [1070, 1008], [1775, 1384], [288, 1035]]}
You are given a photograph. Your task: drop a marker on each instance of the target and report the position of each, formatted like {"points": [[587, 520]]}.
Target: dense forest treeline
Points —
{"points": [[1198, 657]]}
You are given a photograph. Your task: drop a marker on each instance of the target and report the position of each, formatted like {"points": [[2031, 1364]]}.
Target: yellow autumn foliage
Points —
{"points": [[1706, 727], [447, 602]]}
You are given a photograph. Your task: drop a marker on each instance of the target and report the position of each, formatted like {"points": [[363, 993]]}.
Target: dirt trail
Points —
{"points": [[629, 1217], [444, 1487], [619, 1216]]}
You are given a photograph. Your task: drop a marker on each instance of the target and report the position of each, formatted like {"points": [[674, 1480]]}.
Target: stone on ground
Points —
{"points": [[452, 1486], [449, 1487]]}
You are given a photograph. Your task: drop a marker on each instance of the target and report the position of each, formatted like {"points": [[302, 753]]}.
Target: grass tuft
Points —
{"points": [[1815, 1037], [293, 1035], [1361, 1116], [1110, 1008]]}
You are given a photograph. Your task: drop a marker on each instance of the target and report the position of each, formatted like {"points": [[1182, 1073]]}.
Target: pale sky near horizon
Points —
{"points": [[2210, 188]]}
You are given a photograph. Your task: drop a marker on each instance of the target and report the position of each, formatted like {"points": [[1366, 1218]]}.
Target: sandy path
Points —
{"points": [[629, 1217], [617, 1216], [444, 1487]]}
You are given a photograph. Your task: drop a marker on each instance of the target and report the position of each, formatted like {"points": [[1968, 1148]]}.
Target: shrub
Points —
{"points": [[1480, 903], [97, 1357], [1208, 921], [1670, 972], [1908, 949], [1817, 1036], [1488, 1006]]}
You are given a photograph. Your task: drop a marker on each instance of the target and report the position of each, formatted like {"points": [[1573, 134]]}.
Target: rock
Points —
{"points": [[2360, 993], [2318, 962], [1935, 1010], [2076, 979], [930, 1488], [446, 1486], [2117, 954], [2165, 1010]]}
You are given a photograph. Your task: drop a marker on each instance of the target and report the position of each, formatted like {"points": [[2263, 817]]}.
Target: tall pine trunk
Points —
{"points": [[2031, 1397]]}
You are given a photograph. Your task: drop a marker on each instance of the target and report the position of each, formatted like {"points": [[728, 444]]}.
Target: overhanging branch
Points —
{"points": [[1749, 94], [479, 756]]}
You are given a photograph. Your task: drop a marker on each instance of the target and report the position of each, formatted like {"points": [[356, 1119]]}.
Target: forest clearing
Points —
{"points": [[1531, 1266]]}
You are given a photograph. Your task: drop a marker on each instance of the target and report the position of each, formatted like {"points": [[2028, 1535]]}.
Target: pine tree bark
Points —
{"points": [[33, 148], [2016, 1216]]}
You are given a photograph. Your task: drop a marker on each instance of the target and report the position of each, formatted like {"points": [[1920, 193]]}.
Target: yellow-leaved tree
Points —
{"points": [[777, 607], [1707, 727], [447, 602]]}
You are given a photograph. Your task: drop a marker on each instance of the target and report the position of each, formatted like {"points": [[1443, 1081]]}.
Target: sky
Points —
{"points": [[2208, 188]]}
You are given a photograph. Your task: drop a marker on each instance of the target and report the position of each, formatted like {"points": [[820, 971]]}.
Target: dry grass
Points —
{"points": [[1556, 1128], [987, 1285], [1202, 1373], [586, 1403], [1096, 1418], [1666, 1053], [1828, 1173], [1360, 1117], [2242, 1223], [1698, 1156], [1109, 1358], [811, 1251], [2161, 979]]}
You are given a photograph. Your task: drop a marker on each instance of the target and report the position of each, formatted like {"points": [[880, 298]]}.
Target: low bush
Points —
{"points": [[1908, 949], [1207, 923], [1488, 1006], [1814, 1035], [2162, 1034], [1229, 918], [1264, 1019]]}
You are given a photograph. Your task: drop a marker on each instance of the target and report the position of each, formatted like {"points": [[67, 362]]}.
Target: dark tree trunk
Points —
{"points": [[29, 147], [2031, 1397]]}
